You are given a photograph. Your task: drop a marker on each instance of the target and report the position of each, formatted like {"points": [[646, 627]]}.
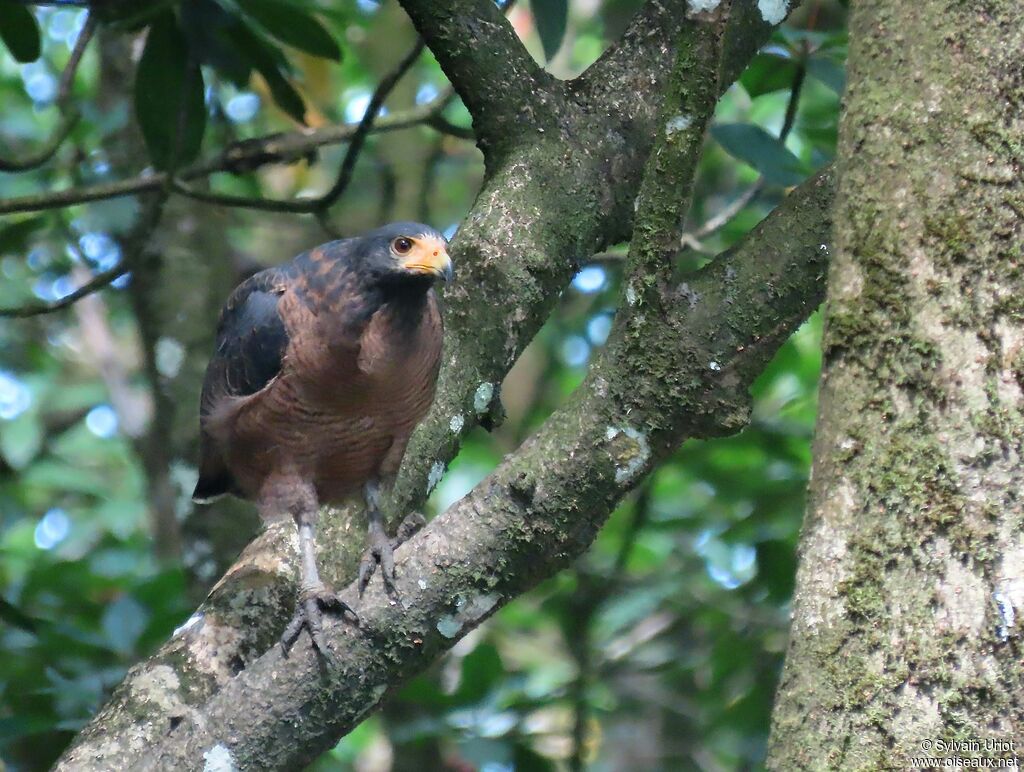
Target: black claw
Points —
{"points": [[381, 552], [408, 528], [308, 615], [366, 566]]}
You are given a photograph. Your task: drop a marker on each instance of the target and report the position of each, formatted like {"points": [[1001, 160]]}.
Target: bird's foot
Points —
{"points": [[382, 552], [309, 608]]}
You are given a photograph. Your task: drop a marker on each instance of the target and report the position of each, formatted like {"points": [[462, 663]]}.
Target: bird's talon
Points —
{"points": [[308, 615], [381, 552], [409, 527]]}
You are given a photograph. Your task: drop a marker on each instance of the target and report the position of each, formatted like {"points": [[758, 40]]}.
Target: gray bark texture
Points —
{"points": [[565, 161], [907, 626]]}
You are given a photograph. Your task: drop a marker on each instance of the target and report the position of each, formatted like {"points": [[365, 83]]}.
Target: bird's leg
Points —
{"points": [[314, 596], [382, 547]]}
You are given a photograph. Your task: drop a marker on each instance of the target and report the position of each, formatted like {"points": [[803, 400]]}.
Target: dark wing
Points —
{"points": [[251, 341]]}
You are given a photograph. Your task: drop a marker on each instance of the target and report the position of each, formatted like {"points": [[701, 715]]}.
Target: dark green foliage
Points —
{"points": [[292, 26], [19, 31], [828, 71], [269, 63], [169, 96], [755, 146], [768, 72], [551, 17]]}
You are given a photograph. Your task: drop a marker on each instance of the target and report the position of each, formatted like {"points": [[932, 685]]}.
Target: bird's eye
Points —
{"points": [[401, 245]]}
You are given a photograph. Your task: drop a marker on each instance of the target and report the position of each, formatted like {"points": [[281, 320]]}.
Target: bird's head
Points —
{"points": [[408, 250]]}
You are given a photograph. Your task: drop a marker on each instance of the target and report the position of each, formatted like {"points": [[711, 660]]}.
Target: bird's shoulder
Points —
{"points": [[251, 336], [254, 296], [325, 279]]}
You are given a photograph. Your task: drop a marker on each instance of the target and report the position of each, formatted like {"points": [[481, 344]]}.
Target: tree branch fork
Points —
{"points": [[671, 370]]}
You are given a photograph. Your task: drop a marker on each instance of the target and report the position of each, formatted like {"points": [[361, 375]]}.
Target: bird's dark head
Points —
{"points": [[406, 250]]}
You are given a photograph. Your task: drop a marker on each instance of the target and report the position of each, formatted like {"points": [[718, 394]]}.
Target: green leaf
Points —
{"points": [[128, 17], [13, 615], [551, 17], [169, 96], [207, 28], [481, 671], [123, 623], [267, 61], [767, 73], [829, 72], [293, 27], [755, 146], [21, 439], [14, 238], [19, 31], [525, 759]]}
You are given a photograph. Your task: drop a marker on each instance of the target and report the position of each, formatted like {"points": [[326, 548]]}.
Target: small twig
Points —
{"points": [[67, 78], [641, 514], [69, 114], [693, 238], [98, 282], [134, 243], [355, 146], [441, 124], [319, 205], [244, 156], [297, 205], [794, 97]]}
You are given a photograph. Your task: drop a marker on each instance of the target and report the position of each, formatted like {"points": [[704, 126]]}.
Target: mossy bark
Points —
{"points": [[907, 625]]}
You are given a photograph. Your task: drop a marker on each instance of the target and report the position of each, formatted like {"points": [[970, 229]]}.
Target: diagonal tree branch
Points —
{"points": [[206, 687], [516, 250], [621, 79], [499, 82], [550, 200]]}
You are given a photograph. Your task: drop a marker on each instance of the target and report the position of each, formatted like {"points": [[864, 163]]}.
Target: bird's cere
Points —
{"points": [[629, 450], [219, 759], [467, 612], [434, 477], [773, 11], [677, 123], [170, 356], [483, 396], [456, 424]]}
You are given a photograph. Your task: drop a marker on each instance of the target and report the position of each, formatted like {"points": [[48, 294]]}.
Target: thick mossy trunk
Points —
{"points": [[908, 624]]}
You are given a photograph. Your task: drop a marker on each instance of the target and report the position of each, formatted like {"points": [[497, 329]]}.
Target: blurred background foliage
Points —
{"points": [[659, 650]]}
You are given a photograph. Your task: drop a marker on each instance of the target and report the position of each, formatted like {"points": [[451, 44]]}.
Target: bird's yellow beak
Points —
{"points": [[429, 256]]}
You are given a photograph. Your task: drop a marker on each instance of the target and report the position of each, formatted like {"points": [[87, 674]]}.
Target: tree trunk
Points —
{"points": [[907, 634]]}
